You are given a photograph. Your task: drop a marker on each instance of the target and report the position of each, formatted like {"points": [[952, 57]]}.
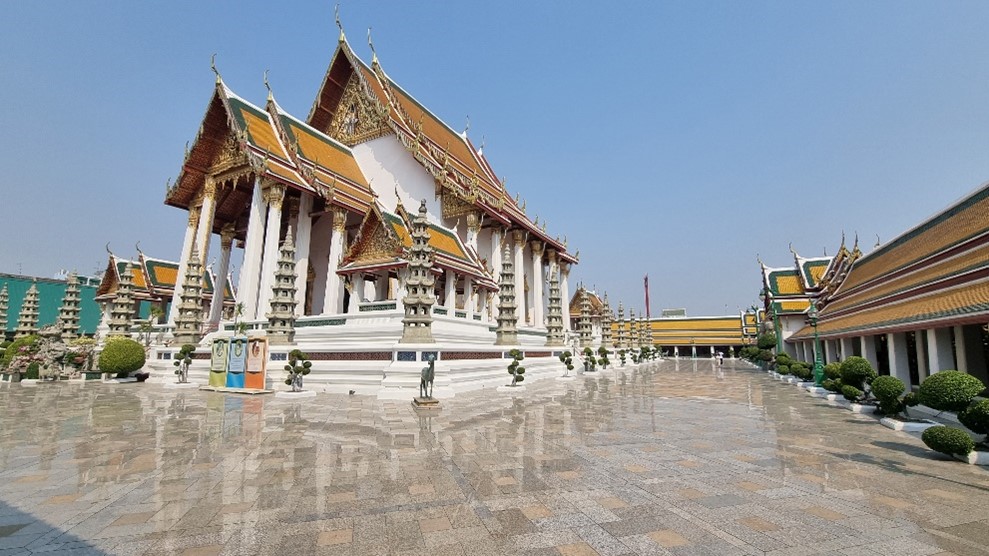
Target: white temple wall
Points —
{"points": [[484, 247], [388, 166], [319, 252]]}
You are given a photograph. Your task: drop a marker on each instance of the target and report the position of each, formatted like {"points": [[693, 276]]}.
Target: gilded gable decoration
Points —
{"points": [[359, 117]]}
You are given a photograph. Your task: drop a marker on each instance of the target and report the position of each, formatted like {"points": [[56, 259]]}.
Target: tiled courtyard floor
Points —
{"points": [[680, 459]]}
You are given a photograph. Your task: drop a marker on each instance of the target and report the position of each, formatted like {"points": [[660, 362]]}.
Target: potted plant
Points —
{"points": [[182, 361], [603, 357], [514, 368], [298, 366], [589, 361], [567, 359]]}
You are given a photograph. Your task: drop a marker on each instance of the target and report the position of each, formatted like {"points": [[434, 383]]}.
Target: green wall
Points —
{"points": [[50, 294]]}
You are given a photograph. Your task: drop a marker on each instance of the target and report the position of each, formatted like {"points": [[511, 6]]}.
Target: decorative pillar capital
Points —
{"points": [[564, 268], [519, 237], [551, 255], [274, 195], [193, 216], [473, 222], [227, 233], [209, 188], [339, 219], [537, 247]]}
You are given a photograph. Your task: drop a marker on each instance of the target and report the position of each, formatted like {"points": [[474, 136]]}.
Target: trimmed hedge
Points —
{"points": [[122, 356], [832, 385], [851, 393], [949, 390], [948, 440], [832, 371], [976, 417], [888, 389], [856, 371]]}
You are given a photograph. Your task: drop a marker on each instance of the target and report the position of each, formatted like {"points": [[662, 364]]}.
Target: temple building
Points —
{"points": [[346, 183], [914, 306], [787, 291]]}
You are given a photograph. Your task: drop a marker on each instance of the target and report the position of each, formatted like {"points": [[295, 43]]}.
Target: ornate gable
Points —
{"points": [[375, 242], [359, 116]]}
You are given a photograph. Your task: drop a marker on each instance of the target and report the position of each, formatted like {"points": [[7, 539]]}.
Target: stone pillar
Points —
{"points": [[829, 351], [469, 304], [303, 233], [519, 267], [357, 290], [497, 238], [939, 355], [216, 306], [187, 244], [846, 348], [204, 231], [274, 197], [250, 268], [869, 351], [899, 362], [333, 296], [473, 228], [450, 291], [565, 293], [961, 354], [920, 340], [537, 283]]}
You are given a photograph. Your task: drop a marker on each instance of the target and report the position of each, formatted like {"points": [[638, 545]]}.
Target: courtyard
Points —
{"points": [[678, 457]]}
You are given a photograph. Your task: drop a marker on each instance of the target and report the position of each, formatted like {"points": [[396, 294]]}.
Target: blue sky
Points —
{"points": [[677, 139]]}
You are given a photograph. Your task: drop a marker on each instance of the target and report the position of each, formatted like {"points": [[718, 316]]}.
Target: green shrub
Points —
{"points": [[856, 371], [911, 399], [832, 371], [851, 393], [802, 371], [121, 356], [949, 390], [888, 389], [15, 346], [766, 340], [948, 440], [832, 385], [782, 369], [33, 370], [765, 355], [976, 417]]}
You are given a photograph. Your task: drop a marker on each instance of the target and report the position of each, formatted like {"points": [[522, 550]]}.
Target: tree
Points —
{"points": [[567, 359], [603, 357], [514, 368], [298, 366], [182, 361]]}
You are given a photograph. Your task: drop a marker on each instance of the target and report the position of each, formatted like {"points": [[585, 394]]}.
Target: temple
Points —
{"points": [[914, 306], [346, 184]]}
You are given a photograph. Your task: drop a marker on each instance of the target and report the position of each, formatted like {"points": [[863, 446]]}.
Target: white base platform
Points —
{"points": [[907, 426], [127, 380], [975, 458], [295, 395], [859, 408], [182, 385], [511, 389], [817, 391]]}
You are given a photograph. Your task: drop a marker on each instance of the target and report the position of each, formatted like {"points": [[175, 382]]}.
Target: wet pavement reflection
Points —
{"points": [[676, 457]]}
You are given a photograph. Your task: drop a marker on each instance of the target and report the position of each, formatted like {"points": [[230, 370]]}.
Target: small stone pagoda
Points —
{"points": [[419, 297], [621, 327], [554, 317], [27, 319], [633, 330], [68, 313], [122, 309], [606, 324], [281, 317], [585, 319], [189, 321], [507, 332], [4, 301]]}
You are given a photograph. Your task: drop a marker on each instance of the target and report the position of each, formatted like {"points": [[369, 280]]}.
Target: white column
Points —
{"points": [[250, 268], [216, 306], [473, 228], [275, 195], [961, 354], [484, 305], [939, 356], [205, 229], [869, 350], [450, 291], [190, 237], [356, 292], [565, 294], [470, 305], [920, 340], [846, 348], [496, 238], [333, 296], [829, 351], [899, 362], [303, 235], [538, 283], [520, 297]]}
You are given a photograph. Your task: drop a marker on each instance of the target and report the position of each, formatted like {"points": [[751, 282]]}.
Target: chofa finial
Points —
{"points": [[267, 85], [212, 66], [336, 15], [374, 55]]}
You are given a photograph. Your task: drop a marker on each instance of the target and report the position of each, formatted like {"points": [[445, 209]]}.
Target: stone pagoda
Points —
{"points": [[4, 301], [633, 330], [122, 309], [189, 321], [68, 313], [584, 327], [27, 319], [507, 333], [419, 286], [620, 344], [606, 324], [554, 316], [644, 335], [281, 317]]}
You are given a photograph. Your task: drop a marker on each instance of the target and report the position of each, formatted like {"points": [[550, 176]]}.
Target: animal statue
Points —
{"points": [[426, 379]]}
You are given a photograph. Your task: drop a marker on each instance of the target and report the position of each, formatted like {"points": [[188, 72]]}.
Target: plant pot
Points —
{"points": [[92, 375], [141, 377]]}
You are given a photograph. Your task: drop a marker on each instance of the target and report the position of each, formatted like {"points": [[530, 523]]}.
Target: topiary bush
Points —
{"points": [[856, 371], [888, 389], [851, 393], [976, 417], [766, 340], [832, 371], [121, 356], [948, 441], [802, 371], [911, 399], [298, 366], [949, 390], [831, 385], [15, 348], [782, 369]]}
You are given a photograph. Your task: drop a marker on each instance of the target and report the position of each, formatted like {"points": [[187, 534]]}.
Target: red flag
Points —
{"points": [[647, 295]]}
